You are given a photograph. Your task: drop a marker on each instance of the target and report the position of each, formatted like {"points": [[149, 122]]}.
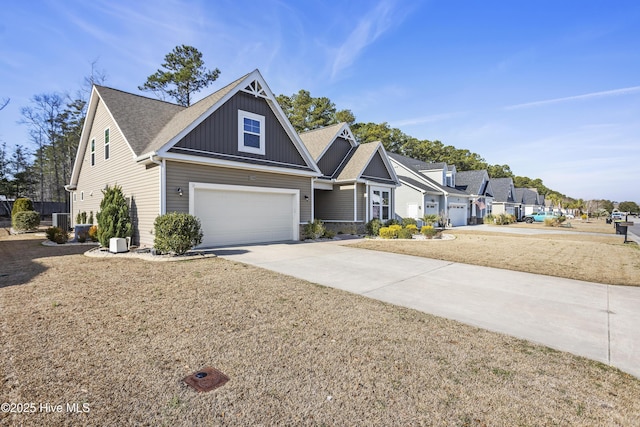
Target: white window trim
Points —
{"points": [[92, 151], [107, 144], [241, 147], [389, 205]]}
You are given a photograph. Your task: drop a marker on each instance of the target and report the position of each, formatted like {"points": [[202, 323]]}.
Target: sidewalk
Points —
{"points": [[593, 320]]}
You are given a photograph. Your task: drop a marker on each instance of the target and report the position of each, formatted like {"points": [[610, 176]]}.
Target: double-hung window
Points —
{"points": [[251, 133], [106, 144], [381, 204]]}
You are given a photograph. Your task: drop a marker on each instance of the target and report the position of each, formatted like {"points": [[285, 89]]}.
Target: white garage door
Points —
{"points": [[232, 214], [458, 214]]}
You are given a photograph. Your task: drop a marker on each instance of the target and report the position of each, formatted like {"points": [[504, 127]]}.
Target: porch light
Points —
{"points": [[179, 191]]}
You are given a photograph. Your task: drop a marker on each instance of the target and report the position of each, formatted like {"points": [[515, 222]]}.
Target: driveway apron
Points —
{"points": [[600, 322]]}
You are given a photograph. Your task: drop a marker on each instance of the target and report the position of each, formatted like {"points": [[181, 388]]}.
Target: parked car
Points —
{"points": [[539, 217], [618, 216]]}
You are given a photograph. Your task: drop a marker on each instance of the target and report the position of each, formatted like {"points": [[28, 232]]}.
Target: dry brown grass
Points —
{"points": [[601, 258], [120, 334]]}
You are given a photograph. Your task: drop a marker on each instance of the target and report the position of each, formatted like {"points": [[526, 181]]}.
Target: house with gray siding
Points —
{"points": [[231, 159], [504, 197], [530, 201], [357, 183], [428, 188], [477, 185]]}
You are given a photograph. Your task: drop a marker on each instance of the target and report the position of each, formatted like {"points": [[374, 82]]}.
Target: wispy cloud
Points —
{"points": [[380, 19], [433, 118], [606, 93]]}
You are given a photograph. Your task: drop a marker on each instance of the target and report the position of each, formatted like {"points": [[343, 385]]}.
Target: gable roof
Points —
{"points": [[501, 188], [417, 167], [527, 196], [360, 159], [472, 182], [151, 127], [319, 140]]}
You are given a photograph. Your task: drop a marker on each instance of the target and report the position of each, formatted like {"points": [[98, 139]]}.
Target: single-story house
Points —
{"points": [[232, 159], [530, 201], [504, 197], [357, 183], [477, 184], [428, 188]]}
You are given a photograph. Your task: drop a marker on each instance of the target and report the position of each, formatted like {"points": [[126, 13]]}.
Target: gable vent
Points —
{"points": [[255, 89], [346, 134]]}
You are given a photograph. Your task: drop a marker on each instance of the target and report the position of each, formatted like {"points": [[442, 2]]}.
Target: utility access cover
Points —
{"points": [[206, 379]]}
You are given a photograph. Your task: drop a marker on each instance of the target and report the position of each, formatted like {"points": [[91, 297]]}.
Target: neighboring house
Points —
{"points": [[231, 159], [424, 191], [530, 201], [357, 183], [477, 185], [504, 197]]}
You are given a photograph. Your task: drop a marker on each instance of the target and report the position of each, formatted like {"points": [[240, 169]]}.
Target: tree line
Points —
{"points": [[55, 120]]}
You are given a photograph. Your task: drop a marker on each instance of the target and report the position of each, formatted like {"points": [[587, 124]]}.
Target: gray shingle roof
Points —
{"points": [[148, 124], [415, 164], [472, 181], [501, 187], [140, 118]]}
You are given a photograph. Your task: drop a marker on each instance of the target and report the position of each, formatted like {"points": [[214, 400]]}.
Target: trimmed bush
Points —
{"points": [[391, 222], [81, 218], [57, 235], [22, 204], [313, 230], [329, 234], [26, 220], [387, 233], [113, 218], [93, 233], [176, 233], [373, 227], [409, 221], [413, 228], [429, 231], [405, 233]]}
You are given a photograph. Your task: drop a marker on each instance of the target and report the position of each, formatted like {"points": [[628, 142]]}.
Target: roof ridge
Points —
{"points": [[138, 95], [322, 128]]}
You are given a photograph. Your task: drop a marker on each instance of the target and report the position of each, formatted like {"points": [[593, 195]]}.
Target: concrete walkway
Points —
{"points": [[600, 322]]}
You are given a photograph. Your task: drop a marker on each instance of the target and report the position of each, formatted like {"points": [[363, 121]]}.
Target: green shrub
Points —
{"points": [[57, 235], [26, 220], [392, 221], [113, 218], [489, 219], [429, 231], [176, 233], [313, 230], [90, 220], [405, 233], [373, 227], [409, 221], [81, 218], [20, 205], [413, 228], [329, 234]]}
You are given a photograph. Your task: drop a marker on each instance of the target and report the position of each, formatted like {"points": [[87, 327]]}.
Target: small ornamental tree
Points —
{"points": [[176, 232], [113, 218], [20, 205]]}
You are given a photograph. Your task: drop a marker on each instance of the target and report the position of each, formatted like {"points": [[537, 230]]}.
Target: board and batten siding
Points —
{"points": [[376, 168], [179, 175], [140, 184], [334, 156], [218, 133]]}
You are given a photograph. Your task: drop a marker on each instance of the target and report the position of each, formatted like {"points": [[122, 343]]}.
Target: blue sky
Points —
{"points": [[551, 88]]}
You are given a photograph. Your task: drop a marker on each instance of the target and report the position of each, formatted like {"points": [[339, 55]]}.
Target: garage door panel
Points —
{"points": [[236, 217], [458, 214]]}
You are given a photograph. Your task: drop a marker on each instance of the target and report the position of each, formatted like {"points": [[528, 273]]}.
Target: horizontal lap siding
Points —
{"points": [[334, 205], [139, 183], [179, 175]]}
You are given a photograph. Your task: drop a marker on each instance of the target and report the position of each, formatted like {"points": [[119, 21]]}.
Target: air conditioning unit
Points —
{"points": [[61, 220]]}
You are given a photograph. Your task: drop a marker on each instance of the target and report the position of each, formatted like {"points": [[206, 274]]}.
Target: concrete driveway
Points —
{"points": [[600, 322]]}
